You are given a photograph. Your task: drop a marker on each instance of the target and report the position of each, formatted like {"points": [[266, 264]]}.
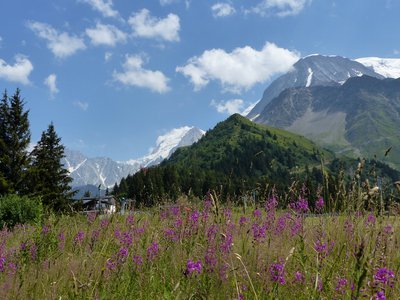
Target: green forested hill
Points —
{"points": [[236, 157]]}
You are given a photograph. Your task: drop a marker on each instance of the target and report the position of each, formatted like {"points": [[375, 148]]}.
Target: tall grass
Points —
{"points": [[205, 251]]}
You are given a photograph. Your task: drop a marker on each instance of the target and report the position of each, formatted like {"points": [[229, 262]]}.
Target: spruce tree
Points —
{"points": [[15, 137], [50, 179]]}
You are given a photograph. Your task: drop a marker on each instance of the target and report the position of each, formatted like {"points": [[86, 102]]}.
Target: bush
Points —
{"points": [[15, 210]]}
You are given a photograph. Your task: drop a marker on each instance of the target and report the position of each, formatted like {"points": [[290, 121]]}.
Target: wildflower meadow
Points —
{"points": [[205, 251]]}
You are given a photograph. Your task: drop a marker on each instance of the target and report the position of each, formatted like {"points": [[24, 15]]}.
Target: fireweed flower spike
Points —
{"points": [[193, 267]]}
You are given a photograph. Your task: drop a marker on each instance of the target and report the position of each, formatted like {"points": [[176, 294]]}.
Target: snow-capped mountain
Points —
{"points": [[166, 145], [387, 67], [106, 172], [313, 70]]}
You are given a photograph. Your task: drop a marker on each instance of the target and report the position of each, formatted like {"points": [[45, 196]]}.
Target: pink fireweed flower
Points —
{"points": [[370, 220], [91, 217], [61, 240], [323, 248], [271, 204], [380, 295], [193, 267], [210, 259], [242, 221], [277, 272], [227, 243], [319, 204], [298, 277], [104, 223], [384, 276], [130, 219], [137, 260], [45, 230], [2, 263], [341, 285], [78, 238], [152, 251], [257, 214], [122, 254]]}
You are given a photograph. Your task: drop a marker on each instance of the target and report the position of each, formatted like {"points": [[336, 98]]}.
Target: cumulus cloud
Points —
{"points": [[281, 8], [166, 2], [108, 35], [228, 107], [135, 75], [50, 82], [221, 9], [146, 26], [105, 7], [240, 69], [82, 105], [61, 44], [18, 72]]}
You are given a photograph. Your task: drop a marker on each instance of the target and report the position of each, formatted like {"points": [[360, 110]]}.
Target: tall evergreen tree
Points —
{"points": [[15, 137], [50, 179]]}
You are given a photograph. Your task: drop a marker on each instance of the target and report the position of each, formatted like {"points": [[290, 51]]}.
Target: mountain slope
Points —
{"points": [[361, 117], [106, 172], [314, 70]]}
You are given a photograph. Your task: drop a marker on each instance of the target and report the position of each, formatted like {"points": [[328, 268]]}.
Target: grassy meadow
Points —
{"points": [[205, 251]]}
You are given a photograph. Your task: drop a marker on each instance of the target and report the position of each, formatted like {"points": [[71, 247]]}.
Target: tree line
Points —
{"points": [[38, 173]]}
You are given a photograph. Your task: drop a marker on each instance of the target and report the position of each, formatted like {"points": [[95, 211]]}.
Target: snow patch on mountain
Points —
{"points": [[309, 78], [387, 67]]}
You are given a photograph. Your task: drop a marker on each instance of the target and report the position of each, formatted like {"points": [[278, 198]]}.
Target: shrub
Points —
{"points": [[15, 209]]}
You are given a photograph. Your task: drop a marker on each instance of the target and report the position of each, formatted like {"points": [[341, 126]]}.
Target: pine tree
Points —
{"points": [[50, 179], [15, 137]]}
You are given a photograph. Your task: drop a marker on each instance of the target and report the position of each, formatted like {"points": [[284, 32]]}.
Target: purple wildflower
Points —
{"points": [[370, 220], [319, 204], [384, 276], [123, 254], [2, 263], [227, 243], [380, 296], [341, 285], [104, 223], [33, 251], [91, 217], [61, 240], [210, 259], [78, 238], [130, 219], [257, 214], [298, 277], [277, 272], [137, 260], [152, 251], [45, 230], [193, 267], [242, 221]]}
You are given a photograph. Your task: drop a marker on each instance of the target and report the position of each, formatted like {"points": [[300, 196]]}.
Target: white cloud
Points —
{"points": [[166, 2], [18, 72], [1, 40], [107, 56], [146, 26], [240, 69], [221, 9], [281, 8], [82, 105], [50, 82], [108, 35], [135, 75], [228, 107], [105, 7], [60, 43]]}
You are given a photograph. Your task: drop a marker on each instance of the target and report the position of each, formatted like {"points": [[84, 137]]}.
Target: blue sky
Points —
{"points": [[113, 75]]}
